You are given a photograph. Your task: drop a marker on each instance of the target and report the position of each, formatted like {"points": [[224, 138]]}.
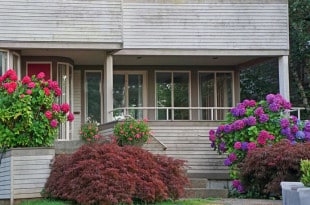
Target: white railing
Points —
{"points": [[214, 113], [211, 113]]}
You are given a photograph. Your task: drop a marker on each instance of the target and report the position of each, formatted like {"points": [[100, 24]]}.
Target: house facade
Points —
{"points": [[175, 62]]}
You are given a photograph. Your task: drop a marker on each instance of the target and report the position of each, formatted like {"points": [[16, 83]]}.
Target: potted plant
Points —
{"points": [[29, 121], [132, 132], [298, 192]]}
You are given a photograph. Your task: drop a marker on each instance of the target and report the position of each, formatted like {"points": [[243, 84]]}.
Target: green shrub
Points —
{"points": [[89, 131], [305, 170], [251, 125], [29, 113], [132, 132]]}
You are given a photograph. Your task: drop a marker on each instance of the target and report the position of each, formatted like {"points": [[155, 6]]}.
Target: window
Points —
{"points": [[128, 91], [16, 63], [172, 90], [65, 81], [215, 90], [3, 62], [93, 95]]}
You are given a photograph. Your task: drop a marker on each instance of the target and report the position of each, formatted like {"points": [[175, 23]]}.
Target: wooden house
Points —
{"points": [[175, 62]]}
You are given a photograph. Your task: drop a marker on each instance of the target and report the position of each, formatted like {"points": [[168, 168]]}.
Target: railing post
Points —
{"points": [[167, 114]]}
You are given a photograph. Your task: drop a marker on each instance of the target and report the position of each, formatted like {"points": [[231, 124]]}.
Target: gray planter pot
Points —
{"points": [[23, 173], [295, 193]]}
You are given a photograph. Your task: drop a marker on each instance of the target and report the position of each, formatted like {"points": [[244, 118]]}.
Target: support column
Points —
{"points": [[108, 88], [237, 87], [284, 85]]}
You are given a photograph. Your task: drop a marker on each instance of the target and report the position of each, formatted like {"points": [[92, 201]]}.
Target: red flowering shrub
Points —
{"points": [[264, 168], [109, 174], [30, 116]]}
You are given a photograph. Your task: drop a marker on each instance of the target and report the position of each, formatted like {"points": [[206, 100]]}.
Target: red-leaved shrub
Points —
{"points": [[264, 168], [109, 174]]}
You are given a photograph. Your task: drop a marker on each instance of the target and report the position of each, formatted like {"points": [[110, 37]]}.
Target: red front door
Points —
{"points": [[35, 68]]}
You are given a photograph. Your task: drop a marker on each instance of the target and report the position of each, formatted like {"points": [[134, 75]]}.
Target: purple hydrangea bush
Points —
{"points": [[254, 124]]}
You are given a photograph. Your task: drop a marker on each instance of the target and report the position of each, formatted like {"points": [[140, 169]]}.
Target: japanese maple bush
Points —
{"points": [[110, 174], [29, 113]]}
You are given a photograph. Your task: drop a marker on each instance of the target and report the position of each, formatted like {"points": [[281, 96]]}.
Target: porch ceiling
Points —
{"points": [[96, 57]]}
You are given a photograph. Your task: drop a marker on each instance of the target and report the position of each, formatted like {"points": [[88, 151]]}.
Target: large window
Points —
{"points": [[172, 91], [9, 59], [65, 81], [128, 88], [93, 97], [215, 90]]}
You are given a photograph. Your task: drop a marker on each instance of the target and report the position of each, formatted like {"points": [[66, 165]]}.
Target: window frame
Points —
{"points": [[172, 94], [144, 86], [86, 91]]}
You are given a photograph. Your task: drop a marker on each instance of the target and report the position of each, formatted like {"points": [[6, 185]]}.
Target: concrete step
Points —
{"points": [[205, 193], [198, 183]]}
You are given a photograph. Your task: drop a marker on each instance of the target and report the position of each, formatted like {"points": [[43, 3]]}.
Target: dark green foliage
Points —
{"points": [[109, 174], [259, 80], [264, 168]]}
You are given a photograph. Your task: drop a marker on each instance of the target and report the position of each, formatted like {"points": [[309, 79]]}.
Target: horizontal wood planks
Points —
{"points": [[5, 179], [61, 21], [215, 25], [23, 172]]}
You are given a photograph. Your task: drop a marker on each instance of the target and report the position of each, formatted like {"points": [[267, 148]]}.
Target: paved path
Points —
{"points": [[246, 202]]}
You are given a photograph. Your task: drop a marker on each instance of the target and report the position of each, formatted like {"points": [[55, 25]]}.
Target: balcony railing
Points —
{"points": [[195, 113]]}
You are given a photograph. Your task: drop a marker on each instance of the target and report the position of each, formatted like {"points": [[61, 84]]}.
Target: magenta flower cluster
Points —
{"points": [[254, 124]]}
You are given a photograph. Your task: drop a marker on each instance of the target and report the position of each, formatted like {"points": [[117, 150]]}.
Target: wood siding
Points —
{"points": [[5, 178], [77, 107], [30, 175], [24, 172], [60, 21], [205, 24]]}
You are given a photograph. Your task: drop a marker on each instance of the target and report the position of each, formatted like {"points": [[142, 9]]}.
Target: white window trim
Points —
{"points": [[145, 87], [68, 87], [215, 88], [172, 96], [101, 93], [4, 69]]}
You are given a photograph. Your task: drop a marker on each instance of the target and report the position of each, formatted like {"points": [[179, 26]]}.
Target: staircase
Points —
{"points": [[189, 140]]}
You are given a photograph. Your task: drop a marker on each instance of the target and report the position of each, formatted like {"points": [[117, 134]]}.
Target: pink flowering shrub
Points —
{"points": [[89, 131], [132, 132], [251, 125], [29, 114]]}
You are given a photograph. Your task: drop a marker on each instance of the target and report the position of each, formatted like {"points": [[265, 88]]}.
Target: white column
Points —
{"points": [[236, 91], [108, 89], [284, 84]]}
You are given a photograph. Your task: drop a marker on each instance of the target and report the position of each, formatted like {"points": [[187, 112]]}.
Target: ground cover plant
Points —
{"points": [[110, 174], [252, 125]]}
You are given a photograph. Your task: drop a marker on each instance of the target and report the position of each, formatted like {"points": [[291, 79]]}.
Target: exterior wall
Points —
{"points": [[77, 106], [5, 178], [24, 172], [60, 21], [205, 24]]}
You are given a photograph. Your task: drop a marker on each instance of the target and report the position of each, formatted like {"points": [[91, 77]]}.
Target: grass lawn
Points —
{"points": [[179, 202]]}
